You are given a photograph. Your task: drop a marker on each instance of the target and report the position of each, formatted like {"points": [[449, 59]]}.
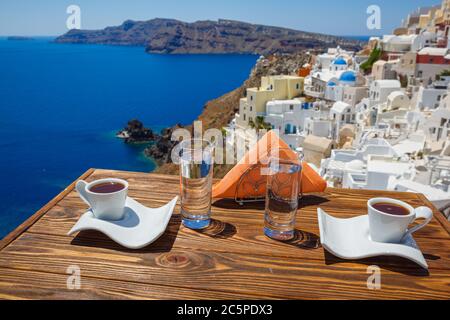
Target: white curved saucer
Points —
{"points": [[349, 239], [141, 226]]}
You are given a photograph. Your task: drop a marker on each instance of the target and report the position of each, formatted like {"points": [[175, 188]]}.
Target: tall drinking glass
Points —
{"points": [[196, 171], [283, 183]]}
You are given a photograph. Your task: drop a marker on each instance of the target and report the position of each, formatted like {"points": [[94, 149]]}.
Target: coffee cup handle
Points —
{"points": [[81, 189], [421, 213]]}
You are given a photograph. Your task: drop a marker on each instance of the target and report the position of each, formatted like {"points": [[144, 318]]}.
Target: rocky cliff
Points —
{"points": [[219, 112], [224, 36]]}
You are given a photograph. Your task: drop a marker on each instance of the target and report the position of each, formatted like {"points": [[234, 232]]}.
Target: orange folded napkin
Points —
{"points": [[246, 175]]}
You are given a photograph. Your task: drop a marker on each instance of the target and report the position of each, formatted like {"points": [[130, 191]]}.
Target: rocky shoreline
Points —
{"points": [[135, 132], [160, 145], [169, 36], [161, 149]]}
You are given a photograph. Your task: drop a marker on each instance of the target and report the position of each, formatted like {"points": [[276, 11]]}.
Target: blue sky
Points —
{"points": [[343, 17]]}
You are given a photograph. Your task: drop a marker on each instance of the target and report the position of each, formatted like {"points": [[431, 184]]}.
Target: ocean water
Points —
{"points": [[361, 38], [61, 104]]}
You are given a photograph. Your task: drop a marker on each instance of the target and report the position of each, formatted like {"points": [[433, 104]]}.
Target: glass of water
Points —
{"points": [[196, 172], [283, 188]]}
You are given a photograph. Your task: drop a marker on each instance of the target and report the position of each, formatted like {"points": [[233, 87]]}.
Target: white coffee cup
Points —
{"points": [[389, 228], [104, 206]]}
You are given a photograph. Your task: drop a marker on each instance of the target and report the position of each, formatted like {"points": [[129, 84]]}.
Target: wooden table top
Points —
{"points": [[230, 260]]}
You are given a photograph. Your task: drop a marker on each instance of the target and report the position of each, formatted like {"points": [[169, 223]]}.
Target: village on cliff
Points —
{"points": [[377, 119]]}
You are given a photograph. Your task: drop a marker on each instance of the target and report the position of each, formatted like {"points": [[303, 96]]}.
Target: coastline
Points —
{"points": [[218, 112]]}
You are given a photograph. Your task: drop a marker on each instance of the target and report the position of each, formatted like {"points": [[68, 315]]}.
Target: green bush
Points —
{"points": [[375, 55]]}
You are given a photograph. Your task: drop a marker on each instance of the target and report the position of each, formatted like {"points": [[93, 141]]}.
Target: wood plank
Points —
{"points": [[243, 274], [31, 285], [226, 235], [91, 242]]}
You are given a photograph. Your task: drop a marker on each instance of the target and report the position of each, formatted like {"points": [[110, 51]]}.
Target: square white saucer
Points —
{"points": [[140, 227], [349, 239]]}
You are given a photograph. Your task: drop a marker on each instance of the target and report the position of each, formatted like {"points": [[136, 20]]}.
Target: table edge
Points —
{"points": [[13, 235], [437, 214]]}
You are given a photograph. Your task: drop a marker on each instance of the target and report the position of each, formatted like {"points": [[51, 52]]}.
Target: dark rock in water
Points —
{"points": [[161, 149], [135, 132]]}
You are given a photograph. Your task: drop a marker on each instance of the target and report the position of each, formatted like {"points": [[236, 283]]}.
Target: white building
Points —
{"points": [[329, 77], [343, 162], [381, 89], [289, 117], [429, 97], [325, 60], [279, 87], [431, 62], [341, 114], [438, 126], [407, 43], [354, 95], [319, 127]]}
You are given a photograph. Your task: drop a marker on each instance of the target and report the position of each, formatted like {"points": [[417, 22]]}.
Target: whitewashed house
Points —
{"points": [[289, 117], [342, 162], [430, 97], [354, 95], [438, 126], [381, 89], [318, 127]]}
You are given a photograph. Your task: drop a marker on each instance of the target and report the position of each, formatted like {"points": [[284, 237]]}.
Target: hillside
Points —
{"points": [[219, 112], [169, 36]]}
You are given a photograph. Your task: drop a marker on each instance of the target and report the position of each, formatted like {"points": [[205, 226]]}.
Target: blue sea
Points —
{"points": [[61, 105], [361, 38]]}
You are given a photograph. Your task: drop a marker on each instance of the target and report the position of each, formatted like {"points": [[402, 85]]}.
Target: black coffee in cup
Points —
{"points": [[391, 208], [108, 187]]}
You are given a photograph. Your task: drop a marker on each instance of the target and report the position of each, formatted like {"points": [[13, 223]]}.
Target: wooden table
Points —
{"points": [[230, 260]]}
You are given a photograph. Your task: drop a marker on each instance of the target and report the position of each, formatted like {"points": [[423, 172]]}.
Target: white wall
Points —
{"points": [[429, 98]]}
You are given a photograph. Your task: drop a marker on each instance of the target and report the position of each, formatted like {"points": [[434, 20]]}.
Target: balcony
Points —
{"points": [[309, 91]]}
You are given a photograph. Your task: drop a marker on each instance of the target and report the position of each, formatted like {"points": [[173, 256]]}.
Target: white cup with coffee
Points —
{"points": [[106, 197], [389, 219]]}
